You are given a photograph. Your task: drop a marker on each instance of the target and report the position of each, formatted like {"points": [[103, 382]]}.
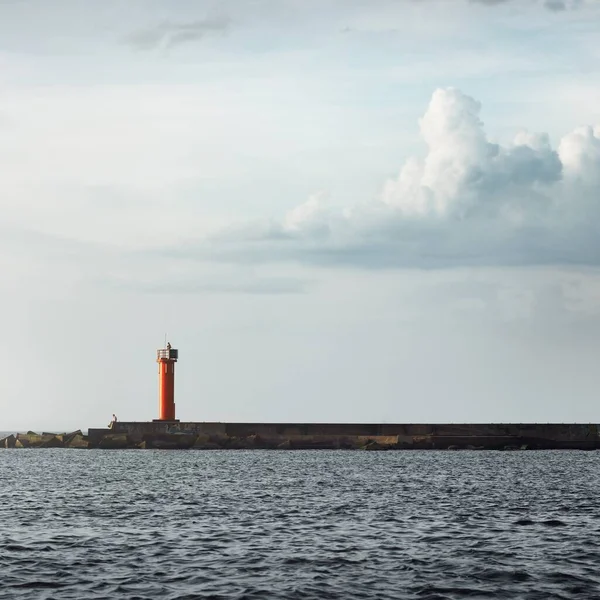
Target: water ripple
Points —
{"points": [[307, 525]]}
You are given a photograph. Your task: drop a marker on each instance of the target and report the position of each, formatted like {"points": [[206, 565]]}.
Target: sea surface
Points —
{"points": [[303, 524]]}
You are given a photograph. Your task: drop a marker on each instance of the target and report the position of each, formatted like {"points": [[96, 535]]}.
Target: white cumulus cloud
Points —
{"points": [[310, 216], [467, 201], [579, 153], [463, 173]]}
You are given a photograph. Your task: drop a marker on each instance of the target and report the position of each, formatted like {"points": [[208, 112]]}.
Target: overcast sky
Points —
{"points": [[383, 211]]}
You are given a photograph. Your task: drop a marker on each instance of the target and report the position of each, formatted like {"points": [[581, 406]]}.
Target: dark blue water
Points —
{"points": [[323, 524]]}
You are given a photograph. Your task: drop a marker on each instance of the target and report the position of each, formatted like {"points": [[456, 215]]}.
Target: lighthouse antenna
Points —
{"points": [[165, 341]]}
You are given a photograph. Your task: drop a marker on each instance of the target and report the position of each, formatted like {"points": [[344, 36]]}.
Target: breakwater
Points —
{"points": [[303, 436]]}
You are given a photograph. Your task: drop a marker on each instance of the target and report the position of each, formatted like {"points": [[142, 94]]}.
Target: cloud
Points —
{"points": [[169, 34], [552, 5], [462, 167], [194, 285], [308, 217], [579, 153], [532, 294], [468, 201]]}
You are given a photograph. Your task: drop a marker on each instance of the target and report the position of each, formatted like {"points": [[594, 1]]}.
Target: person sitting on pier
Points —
{"points": [[113, 421]]}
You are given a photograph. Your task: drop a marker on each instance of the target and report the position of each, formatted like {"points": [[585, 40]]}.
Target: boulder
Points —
{"points": [[33, 440], [76, 441], [67, 437], [114, 441], [8, 442], [53, 442]]}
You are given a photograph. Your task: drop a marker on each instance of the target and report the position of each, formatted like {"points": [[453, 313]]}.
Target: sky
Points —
{"points": [[341, 211]]}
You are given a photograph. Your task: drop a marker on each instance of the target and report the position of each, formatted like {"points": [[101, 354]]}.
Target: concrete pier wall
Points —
{"points": [[165, 434], [559, 431]]}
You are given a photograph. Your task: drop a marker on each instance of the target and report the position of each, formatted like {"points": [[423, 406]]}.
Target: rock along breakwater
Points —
{"points": [[327, 436], [31, 439]]}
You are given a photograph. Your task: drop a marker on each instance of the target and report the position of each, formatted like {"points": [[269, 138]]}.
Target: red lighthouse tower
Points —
{"points": [[166, 359]]}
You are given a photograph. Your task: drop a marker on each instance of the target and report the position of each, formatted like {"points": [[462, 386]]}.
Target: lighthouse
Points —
{"points": [[166, 359]]}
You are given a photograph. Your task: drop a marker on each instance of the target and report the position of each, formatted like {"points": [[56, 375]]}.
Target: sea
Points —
{"points": [[175, 525]]}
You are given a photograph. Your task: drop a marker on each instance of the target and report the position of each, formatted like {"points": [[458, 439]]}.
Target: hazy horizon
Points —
{"points": [[338, 211]]}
